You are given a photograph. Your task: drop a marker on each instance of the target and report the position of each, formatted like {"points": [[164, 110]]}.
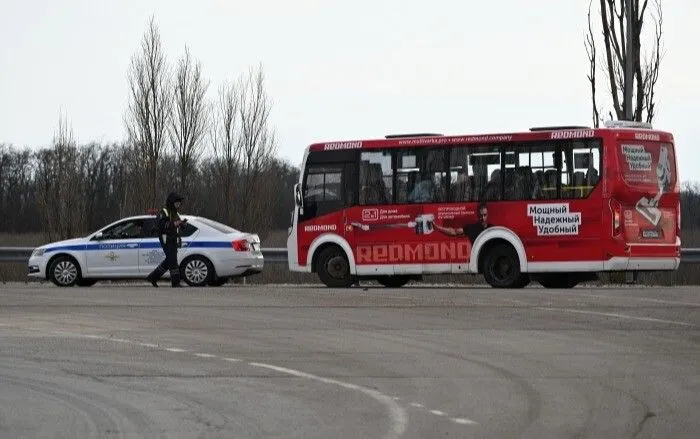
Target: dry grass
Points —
{"points": [[688, 274]]}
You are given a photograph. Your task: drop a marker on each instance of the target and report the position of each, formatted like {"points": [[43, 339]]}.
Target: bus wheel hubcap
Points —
{"points": [[337, 267]]}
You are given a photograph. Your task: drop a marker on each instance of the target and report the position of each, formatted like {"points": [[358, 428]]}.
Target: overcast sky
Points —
{"points": [[335, 70]]}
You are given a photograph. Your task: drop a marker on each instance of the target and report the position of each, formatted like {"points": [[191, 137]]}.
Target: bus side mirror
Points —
{"points": [[298, 199]]}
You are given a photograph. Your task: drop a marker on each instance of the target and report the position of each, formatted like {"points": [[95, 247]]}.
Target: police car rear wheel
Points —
{"points": [[197, 271], [64, 272]]}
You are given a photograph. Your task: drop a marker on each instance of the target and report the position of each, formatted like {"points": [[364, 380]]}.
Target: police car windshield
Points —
{"points": [[223, 228]]}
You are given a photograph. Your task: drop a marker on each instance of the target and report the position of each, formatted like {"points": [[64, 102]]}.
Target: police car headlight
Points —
{"points": [[38, 252]]}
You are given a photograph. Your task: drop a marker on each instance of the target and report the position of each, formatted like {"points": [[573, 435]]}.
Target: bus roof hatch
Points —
{"points": [[628, 124], [556, 128]]}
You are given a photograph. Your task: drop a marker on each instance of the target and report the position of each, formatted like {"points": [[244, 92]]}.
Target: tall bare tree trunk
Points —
{"points": [[60, 193], [225, 142], [622, 30], [258, 146], [149, 111], [190, 119]]}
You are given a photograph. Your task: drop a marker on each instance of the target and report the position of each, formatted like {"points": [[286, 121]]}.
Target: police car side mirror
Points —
{"points": [[98, 236]]}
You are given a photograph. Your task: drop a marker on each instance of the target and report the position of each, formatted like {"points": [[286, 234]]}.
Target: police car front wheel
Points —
{"points": [[64, 271]]}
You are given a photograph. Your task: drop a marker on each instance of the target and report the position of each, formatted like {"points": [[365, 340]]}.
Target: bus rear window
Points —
{"points": [[648, 164]]}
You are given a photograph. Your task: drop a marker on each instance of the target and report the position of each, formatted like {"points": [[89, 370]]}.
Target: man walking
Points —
{"points": [[169, 223]]}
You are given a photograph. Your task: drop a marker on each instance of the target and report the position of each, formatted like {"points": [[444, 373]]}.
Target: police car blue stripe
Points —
{"points": [[66, 247], [210, 244], [131, 245]]}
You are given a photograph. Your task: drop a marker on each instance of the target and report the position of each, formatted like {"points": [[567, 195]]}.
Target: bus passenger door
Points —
{"points": [[367, 229]]}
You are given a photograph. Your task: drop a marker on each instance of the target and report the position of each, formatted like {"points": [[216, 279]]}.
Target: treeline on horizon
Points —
{"points": [[68, 191], [71, 190]]}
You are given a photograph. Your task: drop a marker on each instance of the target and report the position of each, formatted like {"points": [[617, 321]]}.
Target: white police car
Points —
{"points": [[211, 253]]}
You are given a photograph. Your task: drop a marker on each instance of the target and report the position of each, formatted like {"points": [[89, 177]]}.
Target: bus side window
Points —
{"points": [[538, 172], [492, 191], [375, 178], [461, 179], [586, 158]]}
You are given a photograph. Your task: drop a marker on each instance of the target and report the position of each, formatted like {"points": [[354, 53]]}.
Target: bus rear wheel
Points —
{"points": [[333, 268], [502, 268], [393, 281]]}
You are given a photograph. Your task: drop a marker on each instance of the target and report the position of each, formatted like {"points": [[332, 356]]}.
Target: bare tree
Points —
{"points": [[592, 56], [62, 204], [149, 110], [258, 147], [190, 119], [225, 142], [622, 31]]}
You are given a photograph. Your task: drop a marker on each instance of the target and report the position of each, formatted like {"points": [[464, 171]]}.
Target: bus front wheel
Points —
{"points": [[333, 268], [502, 268]]}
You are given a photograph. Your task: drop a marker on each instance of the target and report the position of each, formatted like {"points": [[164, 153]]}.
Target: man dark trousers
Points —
{"points": [[169, 223]]}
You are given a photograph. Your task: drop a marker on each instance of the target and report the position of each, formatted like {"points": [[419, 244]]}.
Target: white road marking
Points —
{"points": [[205, 355], [463, 421], [121, 340], [619, 316], [670, 302], [398, 416], [644, 299]]}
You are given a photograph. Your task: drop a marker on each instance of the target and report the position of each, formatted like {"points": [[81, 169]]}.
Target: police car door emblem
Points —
{"points": [[112, 256]]}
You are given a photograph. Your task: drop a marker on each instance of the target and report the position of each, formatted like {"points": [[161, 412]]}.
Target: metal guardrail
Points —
{"points": [[20, 255], [272, 255]]}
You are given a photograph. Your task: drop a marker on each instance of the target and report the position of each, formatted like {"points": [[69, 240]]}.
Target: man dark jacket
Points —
{"points": [[169, 224]]}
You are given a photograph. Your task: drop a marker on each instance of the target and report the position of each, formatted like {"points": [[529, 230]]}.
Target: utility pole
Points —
{"points": [[629, 62]]}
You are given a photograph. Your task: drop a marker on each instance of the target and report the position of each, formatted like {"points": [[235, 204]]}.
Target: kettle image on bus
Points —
{"points": [[422, 224], [648, 208]]}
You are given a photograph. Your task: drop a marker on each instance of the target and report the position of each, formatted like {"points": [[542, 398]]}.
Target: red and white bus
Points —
{"points": [[555, 205]]}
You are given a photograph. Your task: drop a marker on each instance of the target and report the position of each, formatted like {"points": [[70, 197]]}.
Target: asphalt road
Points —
{"points": [[286, 362]]}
